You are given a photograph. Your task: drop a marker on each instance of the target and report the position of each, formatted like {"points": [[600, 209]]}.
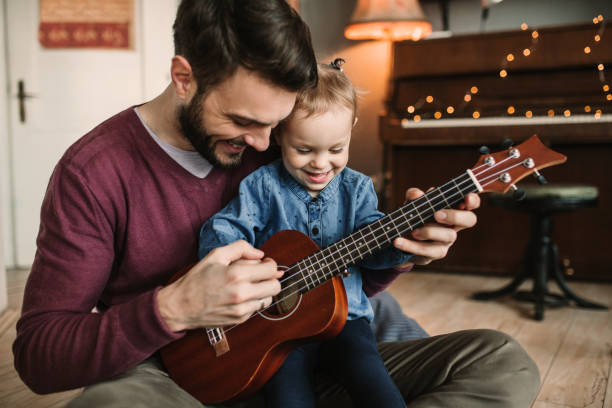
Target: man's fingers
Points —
{"points": [[233, 252], [262, 303], [254, 271], [422, 249], [471, 202], [458, 219], [413, 193], [435, 234]]}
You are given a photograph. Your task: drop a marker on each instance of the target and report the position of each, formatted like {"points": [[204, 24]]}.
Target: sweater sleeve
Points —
{"points": [[61, 342], [242, 218]]}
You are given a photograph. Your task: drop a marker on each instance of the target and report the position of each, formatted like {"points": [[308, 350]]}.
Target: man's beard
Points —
{"points": [[190, 120]]}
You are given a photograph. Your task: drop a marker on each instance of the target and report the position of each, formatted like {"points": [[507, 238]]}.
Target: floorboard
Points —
{"points": [[572, 347]]}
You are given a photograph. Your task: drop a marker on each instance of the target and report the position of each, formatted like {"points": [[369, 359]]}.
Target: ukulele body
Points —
{"points": [[258, 347]]}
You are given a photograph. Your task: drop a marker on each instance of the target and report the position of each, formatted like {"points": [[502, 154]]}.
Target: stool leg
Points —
{"points": [[540, 277], [538, 261], [558, 275], [506, 290]]}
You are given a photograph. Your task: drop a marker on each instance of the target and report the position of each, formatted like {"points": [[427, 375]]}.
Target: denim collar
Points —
{"points": [[327, 194]]}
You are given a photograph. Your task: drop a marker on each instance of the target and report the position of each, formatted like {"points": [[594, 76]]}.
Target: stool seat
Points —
{"points": [[542, 260], [549, 198]]}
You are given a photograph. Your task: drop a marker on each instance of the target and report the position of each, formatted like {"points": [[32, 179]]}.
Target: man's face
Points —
{"points": [[239, 112]]}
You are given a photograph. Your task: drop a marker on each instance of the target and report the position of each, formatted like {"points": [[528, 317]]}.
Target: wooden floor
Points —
{"points": [[572, 347]]}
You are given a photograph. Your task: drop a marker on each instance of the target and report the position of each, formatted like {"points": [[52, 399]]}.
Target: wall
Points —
{"points": [[368, 62], [3, 162], [153, 52]]}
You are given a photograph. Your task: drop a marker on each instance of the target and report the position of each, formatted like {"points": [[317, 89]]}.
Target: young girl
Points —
{"points": [[312, 191]]}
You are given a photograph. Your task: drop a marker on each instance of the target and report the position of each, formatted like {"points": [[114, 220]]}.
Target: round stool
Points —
{"points": [[542, 259]]}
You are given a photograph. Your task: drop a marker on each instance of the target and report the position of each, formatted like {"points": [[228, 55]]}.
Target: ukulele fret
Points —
{"points": [[310, 272]]}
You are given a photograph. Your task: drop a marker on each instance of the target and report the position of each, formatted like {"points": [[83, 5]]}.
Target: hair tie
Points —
{"points": [[337, 63]]}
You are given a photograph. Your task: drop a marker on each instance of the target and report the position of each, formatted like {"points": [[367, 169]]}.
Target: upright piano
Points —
{"points": [[449, 96]]}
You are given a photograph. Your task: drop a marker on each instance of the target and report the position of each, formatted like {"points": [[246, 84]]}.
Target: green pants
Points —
{"points": [[471, 369]]}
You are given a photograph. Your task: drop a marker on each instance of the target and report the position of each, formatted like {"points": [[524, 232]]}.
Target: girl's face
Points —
{"points": [[315, 148]]}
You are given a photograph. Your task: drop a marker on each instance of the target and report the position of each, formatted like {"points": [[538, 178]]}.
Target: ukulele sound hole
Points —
{"points": [[289, 295]]}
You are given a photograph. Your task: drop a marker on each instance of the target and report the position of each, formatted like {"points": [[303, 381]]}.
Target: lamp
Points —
{"points": [[394, 20]]}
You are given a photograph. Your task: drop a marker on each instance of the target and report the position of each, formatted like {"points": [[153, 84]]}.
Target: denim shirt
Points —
{"points": [[271, 200]]}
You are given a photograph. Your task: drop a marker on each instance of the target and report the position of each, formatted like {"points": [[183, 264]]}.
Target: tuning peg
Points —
{"points": [[484, 150], [518, 194], [507, 143], [539, 177]]}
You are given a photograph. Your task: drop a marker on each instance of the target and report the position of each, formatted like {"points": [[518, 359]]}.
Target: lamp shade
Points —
{"points": [[394, 20]]}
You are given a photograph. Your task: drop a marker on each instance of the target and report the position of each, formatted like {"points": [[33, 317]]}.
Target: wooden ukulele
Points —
{"points": [[231, 363]]}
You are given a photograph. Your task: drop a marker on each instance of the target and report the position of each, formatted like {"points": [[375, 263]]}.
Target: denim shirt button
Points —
{"points": [[315, 231]]}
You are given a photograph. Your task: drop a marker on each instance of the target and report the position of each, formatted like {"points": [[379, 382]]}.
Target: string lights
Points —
{"points": [[470, 95]]}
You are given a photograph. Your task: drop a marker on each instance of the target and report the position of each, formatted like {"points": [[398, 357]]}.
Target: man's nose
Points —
{"points": [[259, 139]]}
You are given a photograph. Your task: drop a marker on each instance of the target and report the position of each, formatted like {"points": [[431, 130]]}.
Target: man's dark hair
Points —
{"points": [[264, 36]]}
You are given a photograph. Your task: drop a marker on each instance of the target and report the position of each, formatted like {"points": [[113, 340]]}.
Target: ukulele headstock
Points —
{"points": [[502, 170]]}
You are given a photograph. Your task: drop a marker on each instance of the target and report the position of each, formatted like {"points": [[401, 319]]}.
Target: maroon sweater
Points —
{"points": [[119, 218]]}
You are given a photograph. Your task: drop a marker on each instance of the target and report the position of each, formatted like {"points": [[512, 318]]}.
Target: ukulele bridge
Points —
{"points": [[218, 341]]}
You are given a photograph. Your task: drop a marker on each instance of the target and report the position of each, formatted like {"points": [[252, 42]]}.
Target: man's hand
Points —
{"points": [[224, 288], [432, 241]]}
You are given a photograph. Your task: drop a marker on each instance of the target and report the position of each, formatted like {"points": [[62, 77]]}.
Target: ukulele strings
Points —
{"points": [[393, 215], [460, 188]]}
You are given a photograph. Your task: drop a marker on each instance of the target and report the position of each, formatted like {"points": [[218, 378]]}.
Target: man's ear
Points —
{"points": [[182, 78]]}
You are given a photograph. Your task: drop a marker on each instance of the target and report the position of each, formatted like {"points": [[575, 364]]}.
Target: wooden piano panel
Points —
{"points": [[558, 75], [497, 243], [537, 91]]}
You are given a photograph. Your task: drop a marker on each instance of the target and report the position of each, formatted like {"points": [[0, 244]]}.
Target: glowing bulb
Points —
{"points": [[597, 115], [598, 111], [503, 73], [417, 118], [405, 123], [587, 50], [529, 114], [510, 110], [429, 99], [524, 26], [534, 35], [476, 114], [474, 90], [597, 38], [599, 18], [467, 97], [609, 97], [550, 113], [587, 108], [595, 20], [437, 114], [567, 113], [510, 57], [526, 52], [600, 67], [450, 110], [410, 109], [606, 88]]}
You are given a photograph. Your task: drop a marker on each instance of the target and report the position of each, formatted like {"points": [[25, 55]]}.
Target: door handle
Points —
{"points": [[22, 96]]}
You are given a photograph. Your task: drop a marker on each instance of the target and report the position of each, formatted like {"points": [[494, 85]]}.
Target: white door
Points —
{"points": [[72, 90]]}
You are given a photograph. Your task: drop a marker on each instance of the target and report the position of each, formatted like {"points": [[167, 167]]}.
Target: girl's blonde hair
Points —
{"points": [[333, 88]]}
